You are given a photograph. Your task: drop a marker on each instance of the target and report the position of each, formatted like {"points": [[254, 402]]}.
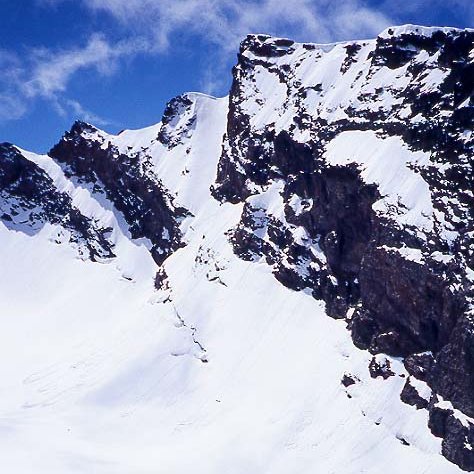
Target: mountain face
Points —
{"points": [[276, 281]]}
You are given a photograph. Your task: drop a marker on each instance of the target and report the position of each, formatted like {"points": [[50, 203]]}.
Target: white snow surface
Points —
{"points": [[416, 29], [387, 162], [224, 371]]}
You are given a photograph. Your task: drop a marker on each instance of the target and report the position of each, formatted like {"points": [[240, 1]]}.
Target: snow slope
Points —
{"points": [[220, 368], [104, 377]]}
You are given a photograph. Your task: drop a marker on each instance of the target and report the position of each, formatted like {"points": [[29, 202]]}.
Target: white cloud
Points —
{"points": [[154, 26], [79, 112], [11, 107], [226, 22], [46, 74], [51, 71], [432, 12]]}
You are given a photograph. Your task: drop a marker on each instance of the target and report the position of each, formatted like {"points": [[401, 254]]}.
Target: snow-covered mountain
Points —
{"points": [[276, 281]]}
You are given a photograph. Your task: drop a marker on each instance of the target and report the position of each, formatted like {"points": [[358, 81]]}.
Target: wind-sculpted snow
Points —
{"points": [[193, 333]]}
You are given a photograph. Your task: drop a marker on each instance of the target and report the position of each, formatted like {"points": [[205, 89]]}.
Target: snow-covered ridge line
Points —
{"points": [[283, 43], [287, 43], [420, 30]]}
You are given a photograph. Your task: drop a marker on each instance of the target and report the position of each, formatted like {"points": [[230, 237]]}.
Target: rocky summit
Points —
{"points": [[280, 280]]}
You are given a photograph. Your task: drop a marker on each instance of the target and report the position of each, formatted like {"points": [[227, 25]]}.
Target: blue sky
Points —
{"points": [[115, 63]]}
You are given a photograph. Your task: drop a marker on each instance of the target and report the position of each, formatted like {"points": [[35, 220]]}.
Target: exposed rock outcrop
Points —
{"points": [[127, 181], [348, 226], [29, 199]]}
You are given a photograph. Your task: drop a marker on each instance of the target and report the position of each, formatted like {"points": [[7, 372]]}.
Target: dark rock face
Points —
{"points": [[457, 359], [380, 369], [419, 365], [331, 238], [29, 199], [348, 380], [411, 396], [161, 279], [408, 300], [178, 121], [457, 434], [127, 182]]}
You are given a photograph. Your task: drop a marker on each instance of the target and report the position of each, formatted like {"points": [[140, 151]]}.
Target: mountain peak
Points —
{"points": [[420, 30], [217, 249], [79, 127]]}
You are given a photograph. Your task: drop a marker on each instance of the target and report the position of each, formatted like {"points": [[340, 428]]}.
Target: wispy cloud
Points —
{"points": [[225, 22], [153, 26], [432, 12], [71, 107], [52, 70], [46, 74]]}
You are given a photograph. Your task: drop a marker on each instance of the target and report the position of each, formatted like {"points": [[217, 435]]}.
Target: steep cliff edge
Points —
{"points": [[355, 164]]}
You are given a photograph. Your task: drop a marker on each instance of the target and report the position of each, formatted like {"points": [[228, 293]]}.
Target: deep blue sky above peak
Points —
{"points": [[115, 63]]}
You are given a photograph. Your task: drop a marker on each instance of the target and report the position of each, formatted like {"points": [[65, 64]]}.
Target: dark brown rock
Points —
{"points": [[411, 396], [137, 194], [380, 369]]}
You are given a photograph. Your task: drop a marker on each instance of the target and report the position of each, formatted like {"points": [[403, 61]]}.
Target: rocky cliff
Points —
{"points": [[349, 167], [368, 147]]}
